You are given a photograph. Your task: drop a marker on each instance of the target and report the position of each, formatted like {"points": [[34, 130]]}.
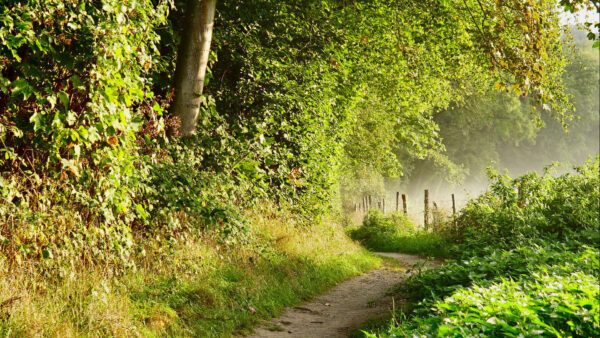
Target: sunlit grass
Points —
{"points": [[395, 233], [201, 288]]}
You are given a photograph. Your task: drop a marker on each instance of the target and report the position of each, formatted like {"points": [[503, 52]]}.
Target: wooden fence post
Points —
{"points": [[434, 215], [521, 200], [453, 212], [383, 204], [404, 204], [453, 205], [397, 200], [426, 210], [370, 202]]}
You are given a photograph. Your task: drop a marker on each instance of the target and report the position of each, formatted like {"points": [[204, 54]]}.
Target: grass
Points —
{"points": [[200, 288], [395, 233]]}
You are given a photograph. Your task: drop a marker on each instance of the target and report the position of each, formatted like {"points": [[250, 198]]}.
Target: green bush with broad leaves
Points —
{"points": [[546, 304], [518, 211], [74, 99]]}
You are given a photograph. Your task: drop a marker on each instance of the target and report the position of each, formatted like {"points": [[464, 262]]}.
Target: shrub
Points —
{"points": [[524, 261], [543, 304], [516, 211], [526, 264]]}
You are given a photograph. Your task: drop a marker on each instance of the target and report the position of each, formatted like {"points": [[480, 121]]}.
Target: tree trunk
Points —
{"points": [[192, 58]]}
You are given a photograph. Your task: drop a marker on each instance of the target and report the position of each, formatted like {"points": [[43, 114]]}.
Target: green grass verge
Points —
{"points": [[222, 303], [200, 288], [395, 233]]}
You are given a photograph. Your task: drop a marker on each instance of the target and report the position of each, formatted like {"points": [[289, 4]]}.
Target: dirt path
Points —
{"points": [[344, 308]]}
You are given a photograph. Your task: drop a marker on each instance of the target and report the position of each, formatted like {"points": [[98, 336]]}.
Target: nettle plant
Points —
{"points": [[73, 96], [534, 207]]}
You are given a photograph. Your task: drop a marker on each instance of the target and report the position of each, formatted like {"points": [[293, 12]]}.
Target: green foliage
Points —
{"points": [[516, 211], [298, 95], [581, 138], [395, 233], [394, 222], [593, 28], [548, 291], [505, 129], [481, 270], [178, 187], [528, 263], [547, 304], [444, 54], [73, 95]]}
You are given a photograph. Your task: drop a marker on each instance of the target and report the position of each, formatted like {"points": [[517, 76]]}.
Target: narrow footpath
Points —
{"points": [[344, 308]]}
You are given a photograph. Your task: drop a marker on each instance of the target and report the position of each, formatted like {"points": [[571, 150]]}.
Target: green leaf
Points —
{"points": [[21, 86], [63, 98], [38, 120]]}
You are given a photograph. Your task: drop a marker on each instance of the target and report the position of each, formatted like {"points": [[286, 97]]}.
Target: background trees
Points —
{"points": [[502, 129]]}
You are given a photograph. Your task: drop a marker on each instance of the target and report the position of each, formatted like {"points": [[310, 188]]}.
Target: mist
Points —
{"points": [[503, 132]]}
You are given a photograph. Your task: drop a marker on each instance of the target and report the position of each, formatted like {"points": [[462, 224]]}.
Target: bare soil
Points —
{"points": [[344, 308]]}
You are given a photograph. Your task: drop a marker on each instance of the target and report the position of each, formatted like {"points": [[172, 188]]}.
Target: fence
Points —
{"points": [[366, 204]]}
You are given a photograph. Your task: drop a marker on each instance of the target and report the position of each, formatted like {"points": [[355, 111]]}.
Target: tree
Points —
{"points": [[592, 28], [192, 60], [498, 128]]}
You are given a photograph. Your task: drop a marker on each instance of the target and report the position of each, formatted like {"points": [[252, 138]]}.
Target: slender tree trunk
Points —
{"points": [[192, 58]]}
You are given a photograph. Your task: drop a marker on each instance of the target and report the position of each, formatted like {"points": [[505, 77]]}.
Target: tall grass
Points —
{"points": [[202, 287]]}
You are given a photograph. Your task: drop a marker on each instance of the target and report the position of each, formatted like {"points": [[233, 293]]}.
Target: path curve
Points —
{"points": [[344, 308]]}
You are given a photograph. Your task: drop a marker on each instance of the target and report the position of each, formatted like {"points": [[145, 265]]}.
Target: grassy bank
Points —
{"points": [[395, 233], [202, 287]]}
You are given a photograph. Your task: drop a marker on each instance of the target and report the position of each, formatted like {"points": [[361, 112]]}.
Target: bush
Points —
{"points": [[457, 274], [516, 211], [543, 304], [74, 99], [394, 232]]}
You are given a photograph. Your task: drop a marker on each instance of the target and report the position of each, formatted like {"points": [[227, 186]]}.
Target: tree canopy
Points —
{"points": [[299, 95]]}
